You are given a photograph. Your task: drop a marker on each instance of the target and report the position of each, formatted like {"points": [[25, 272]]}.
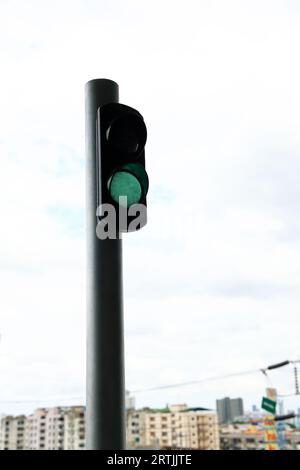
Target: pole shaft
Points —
{"points": [[105, 419]]}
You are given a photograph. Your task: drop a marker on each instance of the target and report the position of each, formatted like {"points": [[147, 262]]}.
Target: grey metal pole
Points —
{"points": [[105, 420]]}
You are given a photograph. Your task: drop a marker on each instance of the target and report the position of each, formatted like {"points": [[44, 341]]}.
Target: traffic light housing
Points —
{"points": [[122, 181]]}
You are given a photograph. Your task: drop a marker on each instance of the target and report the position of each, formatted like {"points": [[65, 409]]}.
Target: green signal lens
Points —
{"points": [[129, 181], [127, 185]]}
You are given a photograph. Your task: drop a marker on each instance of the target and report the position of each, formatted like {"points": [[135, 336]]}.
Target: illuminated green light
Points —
{"points": [[130, 181], [125, 184]]}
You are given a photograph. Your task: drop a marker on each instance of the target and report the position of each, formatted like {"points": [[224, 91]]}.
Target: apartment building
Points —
{"points": [[58, 428], [242, 437], [74, 429], [55, 428], [35, 430], [175, 427], [12, 433]]}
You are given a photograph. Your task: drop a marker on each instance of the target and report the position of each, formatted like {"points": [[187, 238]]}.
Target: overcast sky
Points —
{"points": [[212, 283]]}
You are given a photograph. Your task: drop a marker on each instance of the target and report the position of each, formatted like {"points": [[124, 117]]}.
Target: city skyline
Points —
{"points": [[172, 427]]}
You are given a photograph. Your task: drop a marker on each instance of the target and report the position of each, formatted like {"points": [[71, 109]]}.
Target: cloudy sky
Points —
{"points": [[212, 283]]}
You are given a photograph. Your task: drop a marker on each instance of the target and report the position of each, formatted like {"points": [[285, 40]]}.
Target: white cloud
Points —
{"points": [[211, 287]]}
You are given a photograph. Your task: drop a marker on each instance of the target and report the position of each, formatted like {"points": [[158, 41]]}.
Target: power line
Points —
{"points": [[220, 377], [167, 386]]}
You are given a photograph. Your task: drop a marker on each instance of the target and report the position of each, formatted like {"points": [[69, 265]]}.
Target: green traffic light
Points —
{"points": [[130, 181], [127, 185]]}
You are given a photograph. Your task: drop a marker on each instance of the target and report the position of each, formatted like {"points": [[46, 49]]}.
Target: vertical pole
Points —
{"points": [[105, 343]]}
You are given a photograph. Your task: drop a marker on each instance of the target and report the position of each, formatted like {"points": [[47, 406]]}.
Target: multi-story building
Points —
{"points": [[175, 427], [35, 430], [241, 437], [252, 437], [228, 409], [135, 427], [47, 428], [74, 435], [12, 433], [55, 427]]}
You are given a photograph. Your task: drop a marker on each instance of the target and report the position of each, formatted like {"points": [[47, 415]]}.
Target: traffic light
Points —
{"points": [[122, 181]]}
